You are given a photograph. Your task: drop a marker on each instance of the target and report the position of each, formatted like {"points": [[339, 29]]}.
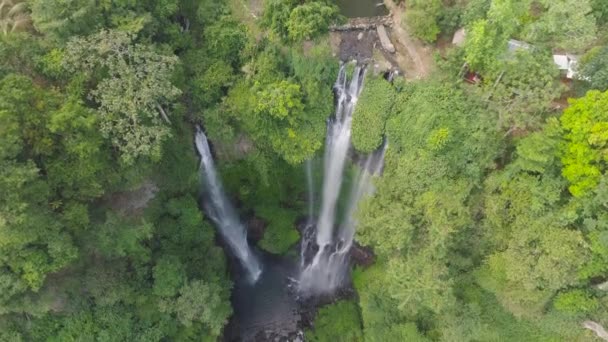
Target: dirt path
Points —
{"points": [[413, 57]]}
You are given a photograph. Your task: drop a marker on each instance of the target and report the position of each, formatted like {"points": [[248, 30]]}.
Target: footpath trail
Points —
{"points": [[419, 62]]}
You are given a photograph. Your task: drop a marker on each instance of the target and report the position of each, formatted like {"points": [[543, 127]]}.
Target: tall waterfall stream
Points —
{"points": [[267, 302], [222, 213], [329, 267]]}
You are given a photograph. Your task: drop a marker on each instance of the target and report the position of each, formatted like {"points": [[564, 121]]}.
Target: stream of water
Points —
{"points": [[329, 267], [222, 213]]}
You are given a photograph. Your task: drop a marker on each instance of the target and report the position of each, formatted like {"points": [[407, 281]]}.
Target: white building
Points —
{"points": [[567, 64]]}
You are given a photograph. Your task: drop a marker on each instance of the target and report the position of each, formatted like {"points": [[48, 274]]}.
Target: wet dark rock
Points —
{"points": [[256, 227], [362, 256], [362, 49]]}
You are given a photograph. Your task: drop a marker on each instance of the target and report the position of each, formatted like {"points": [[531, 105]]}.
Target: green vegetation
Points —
{"points": [[585, 124], [489, 222], [422, 16], [339, 321], [96, 106], [373, 107], [280, 234], [594, 67], [299, 20]]}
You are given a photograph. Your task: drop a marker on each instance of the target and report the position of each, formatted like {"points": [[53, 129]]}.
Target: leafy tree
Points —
{"points": [[280, 234], [419, 282], [593, 215], [483, 45], [339, 321], [486, 43], [134, 92], [369, 118], [475, 10], [537, 152], [420, 212], [575, 302], [310, 20], [422, 17], [276, 15], [33, 239], [528, 230], [593, 67], [70, 267], [565, 24], [85, 167], [382, 320], [275, 111], [61, 19], [600, 12], [225, 40], [533, 267], [525, 91], [201, 302], [282, 101], [212, 83], [584, 152], [289, 19], [280, 108], [119, 238]]}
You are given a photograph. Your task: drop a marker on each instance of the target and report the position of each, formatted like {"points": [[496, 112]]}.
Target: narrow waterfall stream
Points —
{"points": [[221, 211]]}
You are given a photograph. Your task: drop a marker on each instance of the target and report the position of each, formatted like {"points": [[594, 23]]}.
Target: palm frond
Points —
{"points": [[18, 8]]}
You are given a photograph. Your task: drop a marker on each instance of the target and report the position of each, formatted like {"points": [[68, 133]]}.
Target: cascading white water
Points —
{"points": [[307, 231], [336, 149], [221, 211], [362, 186], [311, 193], [329, 267]]}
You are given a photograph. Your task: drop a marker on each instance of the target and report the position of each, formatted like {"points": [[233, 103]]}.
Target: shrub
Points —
{"points": [[337, 322]]}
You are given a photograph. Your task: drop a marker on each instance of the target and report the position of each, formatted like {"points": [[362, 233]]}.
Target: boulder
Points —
{"points": [[384, 39], [256, 228], [362, 256]]}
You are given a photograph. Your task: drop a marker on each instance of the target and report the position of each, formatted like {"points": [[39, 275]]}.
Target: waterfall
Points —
{"points": [[362, 186], [308, 231], [221, 211], [311, 193], [337, 145], [329, 266]]}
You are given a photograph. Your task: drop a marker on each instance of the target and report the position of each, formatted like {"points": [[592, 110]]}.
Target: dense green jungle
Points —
{"points": [[487, 220]]}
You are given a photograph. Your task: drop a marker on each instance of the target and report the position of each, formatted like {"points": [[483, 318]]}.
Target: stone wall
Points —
{"points": [[357, 24]]}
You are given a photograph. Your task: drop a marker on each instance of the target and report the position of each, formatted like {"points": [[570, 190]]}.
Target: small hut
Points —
{"points": [[566, 64]]}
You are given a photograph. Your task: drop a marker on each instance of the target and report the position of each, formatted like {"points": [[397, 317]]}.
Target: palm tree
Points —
{"points": [[14, 16]]}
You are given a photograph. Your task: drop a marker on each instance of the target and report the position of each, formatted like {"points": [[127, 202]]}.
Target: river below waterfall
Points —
{"points": [[266, 310]]}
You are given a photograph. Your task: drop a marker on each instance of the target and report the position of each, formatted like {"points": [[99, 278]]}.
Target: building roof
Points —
{"points": [[514, 45], [562, 61], [566, 63]]}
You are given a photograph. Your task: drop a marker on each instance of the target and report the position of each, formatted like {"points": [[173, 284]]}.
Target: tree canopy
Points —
{"points": [[487, 221]]}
